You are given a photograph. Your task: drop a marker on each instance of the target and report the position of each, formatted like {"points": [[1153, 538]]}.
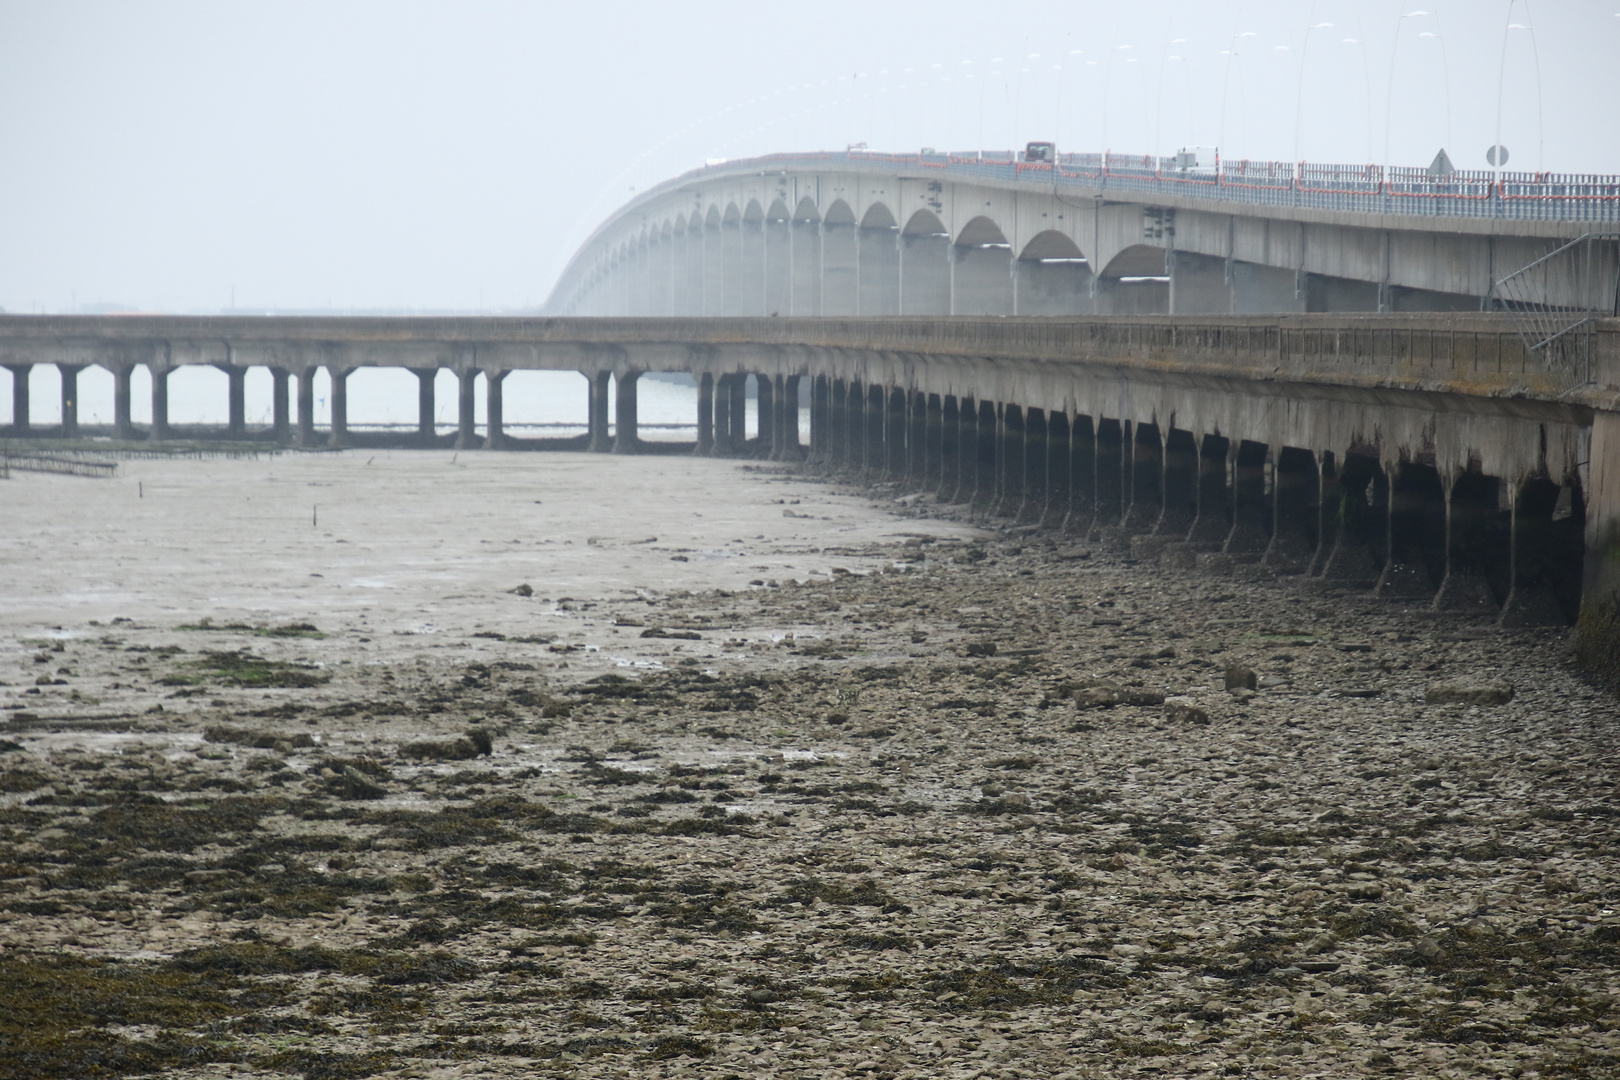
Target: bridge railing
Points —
{"points": [[1373, 189]]}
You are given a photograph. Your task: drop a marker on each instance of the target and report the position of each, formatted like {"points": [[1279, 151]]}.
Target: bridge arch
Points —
{"points": [[982, 278], [1135, 281], [925, 265], [806, 210], [1052, 276], [840, 282], [878, 262]]}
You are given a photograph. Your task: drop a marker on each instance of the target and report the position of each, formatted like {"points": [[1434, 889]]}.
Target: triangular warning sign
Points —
{"points": [[1441, 165]]}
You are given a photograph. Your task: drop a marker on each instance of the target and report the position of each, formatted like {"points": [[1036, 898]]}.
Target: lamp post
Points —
{"points": [[1226, 79], [1158, 95], [1366, 75], [1497, 157], [1108, 71], [1389, 92], [1299, 89]]}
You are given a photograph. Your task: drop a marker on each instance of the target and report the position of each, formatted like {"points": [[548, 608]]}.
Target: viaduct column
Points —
{"points": [[721, 443], [340, 406], [70, 398], [279, 413], [598, 442], [466, 408], [306, 406], [766, 413], [425, 430], [1597, 633], [236, 397], [19, 397], [789, 427], [626, 440], [705, 415], [123, 427], [494, 436], [160, 400]]}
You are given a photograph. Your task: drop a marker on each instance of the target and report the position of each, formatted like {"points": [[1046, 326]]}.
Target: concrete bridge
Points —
{"points": [[1431, 458], [974, 234]]}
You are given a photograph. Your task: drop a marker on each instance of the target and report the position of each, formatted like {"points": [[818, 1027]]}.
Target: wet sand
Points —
{"points": [[856, 789]]}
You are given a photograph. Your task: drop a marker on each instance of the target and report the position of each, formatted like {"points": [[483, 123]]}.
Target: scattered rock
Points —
{"points": [[357, 785], [1184, 712], [1096, 697], [1468, 692], [1239, 677], [522, 590]]}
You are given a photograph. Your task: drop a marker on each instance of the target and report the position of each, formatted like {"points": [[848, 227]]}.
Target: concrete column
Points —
{"points": [[70, 398], [1082, 476], [1009, 497], [1059, 470], [987, 454], [467, 409], [340, 406], [1110, 484], [1213, 521], [836, 444], [1032, 507], [236, 397], [857, 432], [714, 267], [1180, 492], [494, 418], [1597, 634], [1416, 507], [160, 401], [896, 433], [765, 393], [933, 437], [751, 276], [280, 414], [19, 396], [1531, 547], [788, 430], [1295, 485], [1352, 562], [1147, 480], [306, 406], [739, 413], [705, 415], [598, 441], [950, 448], [876, 458], [426, 433], [1329, 505], [981, 280], [1471, 500], [722, 415], [123, 426], [626, 440], [1248, 537]]}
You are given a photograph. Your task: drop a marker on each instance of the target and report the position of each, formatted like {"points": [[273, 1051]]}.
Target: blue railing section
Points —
{"points": [[1368, 189]]}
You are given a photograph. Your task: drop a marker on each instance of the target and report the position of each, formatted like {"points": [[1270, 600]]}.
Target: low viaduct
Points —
{"points": [[1430, 458]]}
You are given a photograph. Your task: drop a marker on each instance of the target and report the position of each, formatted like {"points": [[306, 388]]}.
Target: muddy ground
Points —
{"points": [[969, 803]]}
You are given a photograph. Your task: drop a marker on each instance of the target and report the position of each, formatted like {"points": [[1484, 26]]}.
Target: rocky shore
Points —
{"points": [[990, 804]]}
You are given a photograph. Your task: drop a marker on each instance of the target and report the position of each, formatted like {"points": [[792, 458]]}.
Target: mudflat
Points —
{"points": [[421, 764]]}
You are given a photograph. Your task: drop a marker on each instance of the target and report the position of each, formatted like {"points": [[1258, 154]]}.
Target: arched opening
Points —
{"points": [[734, 284], [1052, 276], [878, 262], [1135, 282], [778, 255], [982, 277], [839, 279], [805, 273], [925, 266], [713, 256]]}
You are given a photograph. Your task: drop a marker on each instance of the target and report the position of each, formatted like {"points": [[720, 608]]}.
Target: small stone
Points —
{"points": [[357, 785], [1321, 943], [1128, 951], [1096, 697], [1239, 677], [980, 648], [1465, 692], [522, 590], [1429, 949], [1184, 712], [763, 997]]}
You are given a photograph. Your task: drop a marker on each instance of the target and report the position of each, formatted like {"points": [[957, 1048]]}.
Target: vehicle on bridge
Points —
{"points": [[1040, 151]]}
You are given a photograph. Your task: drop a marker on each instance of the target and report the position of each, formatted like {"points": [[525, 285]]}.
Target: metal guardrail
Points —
{"points": [[1368, 189], [1587, 270], [54, 463]]}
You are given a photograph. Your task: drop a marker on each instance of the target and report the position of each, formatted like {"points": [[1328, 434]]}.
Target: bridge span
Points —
{"points": [[1429, 458]]}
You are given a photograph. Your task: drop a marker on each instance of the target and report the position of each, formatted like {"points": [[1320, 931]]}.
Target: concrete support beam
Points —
{"points": [[340, 405], [236, 397], [123, 424], [306, 406], [1329, 504], [1532, 546], [626, 437], [1249, 536], [280, 414], [1082, 475], [1059, 471], [1032, 507], [1110, 482], [70, 399], [467, 409], [950, 448], [1009, 460], [1470, 502], [840, 277], [874, 450], [426, 430], [1213, 520], [765, 397], [896, 433], [1597, 632], [160, 401], [738, 388], [984, 422], [19, 397], [705, 415], [1147, 480], [788, 429], [1295, 486], [494, 411], [1416, 508], [1180, 485], [722, 444], [933, 437], [1352, 561], [598, 440]]}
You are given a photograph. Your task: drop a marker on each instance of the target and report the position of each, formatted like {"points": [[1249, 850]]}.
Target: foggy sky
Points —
{"points": [[389, 154]]}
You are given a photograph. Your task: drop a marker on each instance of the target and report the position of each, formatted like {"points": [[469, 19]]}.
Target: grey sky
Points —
{"points": [[451, 155]]}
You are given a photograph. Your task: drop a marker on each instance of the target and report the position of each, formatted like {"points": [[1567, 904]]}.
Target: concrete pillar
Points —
{"points": [[1180, 493], [160, 401], [19, 396], [340, 406], [1597, 633], [1295, 485], [1059, 470], [1249, 535], [1032, 507], [494, 412], [792, 449], [722, 415], [1417, 508], [1009, 496], [1213, 521], [765, 398], [1329, 506], [916, 439], [933, 438], [1352, 562], [467, 409], [705, 415], [836, 446], [70, 399], [123, 425], [857, 426], [598, 440], [950, 448], [1471, 500], [426, 432], [986, 450], [821, 419], [1110, 483], [896, 434], [875, 458], [1082, 476], [280, 414], [1531, 548], [306, 406], [840, 280], [627, 439], [1147, 480], [236, 397], [739, 412], [1265, 290]]}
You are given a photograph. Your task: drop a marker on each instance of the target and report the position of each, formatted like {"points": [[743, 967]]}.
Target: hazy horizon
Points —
{"points": [[255, 156]]}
